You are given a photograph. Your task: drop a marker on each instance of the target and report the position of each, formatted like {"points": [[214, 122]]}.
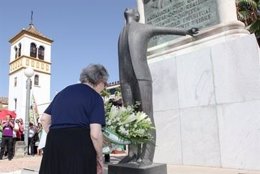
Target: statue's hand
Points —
{"points": [[193, 31]]}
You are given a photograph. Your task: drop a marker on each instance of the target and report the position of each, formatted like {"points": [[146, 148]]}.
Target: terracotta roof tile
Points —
{"points": [[32, 29]]}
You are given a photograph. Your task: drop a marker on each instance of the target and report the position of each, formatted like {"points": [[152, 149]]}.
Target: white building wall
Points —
{"points": [[18, 93], [42, 92]]}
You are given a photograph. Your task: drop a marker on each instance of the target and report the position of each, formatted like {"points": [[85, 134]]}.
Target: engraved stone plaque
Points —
{"points": [[182, 14]]}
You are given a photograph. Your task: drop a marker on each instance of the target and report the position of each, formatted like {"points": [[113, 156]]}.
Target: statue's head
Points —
{"points": [[131, 14]]}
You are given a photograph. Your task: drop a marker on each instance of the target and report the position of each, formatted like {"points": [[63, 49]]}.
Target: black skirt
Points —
{"points": [[69, 151]]}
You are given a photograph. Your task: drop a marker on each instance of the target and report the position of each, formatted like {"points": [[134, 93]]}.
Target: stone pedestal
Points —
{"points": [[19, 149], [207, 104], [155, 168]]}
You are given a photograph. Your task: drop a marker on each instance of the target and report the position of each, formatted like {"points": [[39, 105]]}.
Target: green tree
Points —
{"points": [[248, 11], [105, 93]]}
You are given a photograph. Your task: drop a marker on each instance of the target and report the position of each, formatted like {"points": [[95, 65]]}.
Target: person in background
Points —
{"points": [[73, 122], [42, 142], [15, 128], [31, 139], [7, 137], [40, 148], [1, 131], [37, 139], [19, 131]]}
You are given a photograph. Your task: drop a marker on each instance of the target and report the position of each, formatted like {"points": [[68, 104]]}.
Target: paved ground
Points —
{"points": [[18, 164], [30, 165]]}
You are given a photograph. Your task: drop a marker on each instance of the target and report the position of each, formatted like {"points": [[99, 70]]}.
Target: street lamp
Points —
{"points": [[28, 72]]}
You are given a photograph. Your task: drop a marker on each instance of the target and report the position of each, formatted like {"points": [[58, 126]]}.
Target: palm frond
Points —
{"points": [[255, 27], [248, 3]]}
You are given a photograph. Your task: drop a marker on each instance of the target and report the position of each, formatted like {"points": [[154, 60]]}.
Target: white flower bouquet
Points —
{"points": [[124, 125]]}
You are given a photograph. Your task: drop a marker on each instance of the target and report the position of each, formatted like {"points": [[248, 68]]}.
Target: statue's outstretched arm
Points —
{"points": [[159, 30]]}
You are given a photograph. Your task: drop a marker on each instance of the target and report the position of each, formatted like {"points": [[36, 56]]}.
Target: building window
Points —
{"points": [[15, 81], [41, 53], [36, 80], [19, 49], [15, 103], [16, 50], [33, 50]]}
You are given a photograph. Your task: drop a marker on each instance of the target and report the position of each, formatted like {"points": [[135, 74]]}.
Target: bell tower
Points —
{"points": [[29, 48]]}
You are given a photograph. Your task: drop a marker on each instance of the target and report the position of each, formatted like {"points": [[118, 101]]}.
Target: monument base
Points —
{"points": [[20, 149], [155, 168]]}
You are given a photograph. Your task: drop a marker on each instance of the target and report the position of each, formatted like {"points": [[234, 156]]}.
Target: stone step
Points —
{"points": [[176, 169]]}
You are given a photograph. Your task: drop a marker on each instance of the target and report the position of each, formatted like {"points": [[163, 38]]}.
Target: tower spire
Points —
{"points": [[31, 18]]}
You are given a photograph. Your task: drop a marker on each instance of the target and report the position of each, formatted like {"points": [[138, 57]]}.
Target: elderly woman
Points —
{"points": [[73, 123]]}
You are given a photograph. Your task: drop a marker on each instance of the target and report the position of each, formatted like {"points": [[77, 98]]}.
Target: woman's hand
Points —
{"points": [[100, 165]]}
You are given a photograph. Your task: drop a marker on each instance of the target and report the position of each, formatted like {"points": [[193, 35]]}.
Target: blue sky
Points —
{"points": [[83, 31]]}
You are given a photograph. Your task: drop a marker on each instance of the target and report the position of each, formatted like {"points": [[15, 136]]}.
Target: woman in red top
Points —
{"points": [[19, 132]]}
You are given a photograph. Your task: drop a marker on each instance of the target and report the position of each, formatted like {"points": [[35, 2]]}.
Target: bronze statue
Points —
{"points": [[135, 76]]}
